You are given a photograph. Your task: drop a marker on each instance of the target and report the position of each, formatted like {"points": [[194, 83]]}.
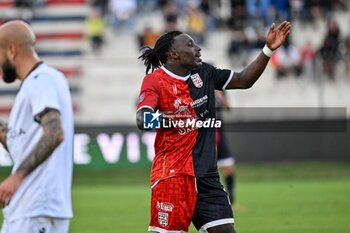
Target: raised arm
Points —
{"points": [[250, 74], [52, 137], [3, 132]]}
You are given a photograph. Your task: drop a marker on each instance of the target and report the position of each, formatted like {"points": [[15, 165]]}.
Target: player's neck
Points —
{"points": [[27, 67], [180, 71]]}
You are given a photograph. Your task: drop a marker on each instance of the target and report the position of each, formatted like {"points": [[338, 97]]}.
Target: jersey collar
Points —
{"points": [[34, 67], [168, 72]]}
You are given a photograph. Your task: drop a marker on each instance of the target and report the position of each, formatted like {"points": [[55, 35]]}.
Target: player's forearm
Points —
{"points": [[222, 99], [250, 74], [3, 132], [139, 117], [52, 138]]}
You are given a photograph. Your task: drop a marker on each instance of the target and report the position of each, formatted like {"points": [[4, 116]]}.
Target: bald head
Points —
{"points": [[17, 50], [17, 32]]}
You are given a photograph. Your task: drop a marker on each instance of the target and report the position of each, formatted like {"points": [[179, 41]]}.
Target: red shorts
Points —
{"points": [[172, 204]]}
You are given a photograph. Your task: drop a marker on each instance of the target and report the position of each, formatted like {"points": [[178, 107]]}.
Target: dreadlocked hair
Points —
{"points": [[154, 58]]}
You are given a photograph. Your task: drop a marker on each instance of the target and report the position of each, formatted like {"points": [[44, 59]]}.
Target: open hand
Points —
{"points": [[277, 36], [8, 187]]}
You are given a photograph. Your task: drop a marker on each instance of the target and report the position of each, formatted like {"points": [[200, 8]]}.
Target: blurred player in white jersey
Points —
{"points": [[36, 197]]}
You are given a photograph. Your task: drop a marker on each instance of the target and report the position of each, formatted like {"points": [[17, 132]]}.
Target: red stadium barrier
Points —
{"points": [[60, 36], [11, 3], [69, 2], [6, 3], [5, 110], [70, 72]]}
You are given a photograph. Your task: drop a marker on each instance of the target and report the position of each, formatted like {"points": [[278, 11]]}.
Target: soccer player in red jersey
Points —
{"points": [[174, 97]]}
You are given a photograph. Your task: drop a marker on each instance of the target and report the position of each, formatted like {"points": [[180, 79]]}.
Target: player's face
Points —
{"points": [[189, 53]]}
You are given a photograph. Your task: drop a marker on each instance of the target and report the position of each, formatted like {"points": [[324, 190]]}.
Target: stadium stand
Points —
{"points": [[59, 27], [111, 80]]}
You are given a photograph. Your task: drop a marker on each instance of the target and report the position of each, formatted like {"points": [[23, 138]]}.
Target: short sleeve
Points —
{"points": [[221, 77], [149, 94], [43, 95]]}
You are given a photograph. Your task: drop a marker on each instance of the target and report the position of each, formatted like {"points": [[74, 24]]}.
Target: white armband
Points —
{"points": [[267, 51]]}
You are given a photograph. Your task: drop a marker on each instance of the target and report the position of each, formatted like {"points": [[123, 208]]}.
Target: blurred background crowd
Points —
{"points": [[247, 22], [99, 41], [96, 43]]}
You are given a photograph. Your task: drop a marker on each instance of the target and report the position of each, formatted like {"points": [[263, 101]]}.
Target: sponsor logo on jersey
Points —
{"points": [[13, 133], [165, 206], [197, 81], [199, 102]]}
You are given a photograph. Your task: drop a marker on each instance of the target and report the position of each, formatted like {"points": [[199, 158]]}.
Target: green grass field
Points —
{"points": [[275, 198]]}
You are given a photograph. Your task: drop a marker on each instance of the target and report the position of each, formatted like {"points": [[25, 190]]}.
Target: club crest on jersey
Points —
{"points": [[197, 81], [163, 219], [181, 107]]}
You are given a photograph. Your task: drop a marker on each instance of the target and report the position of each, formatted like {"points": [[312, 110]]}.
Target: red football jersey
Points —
{"points": [[173, 151], [183, 150]]}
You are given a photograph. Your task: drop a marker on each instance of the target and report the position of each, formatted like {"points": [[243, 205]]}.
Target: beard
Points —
{"points": [[8, 72]]}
